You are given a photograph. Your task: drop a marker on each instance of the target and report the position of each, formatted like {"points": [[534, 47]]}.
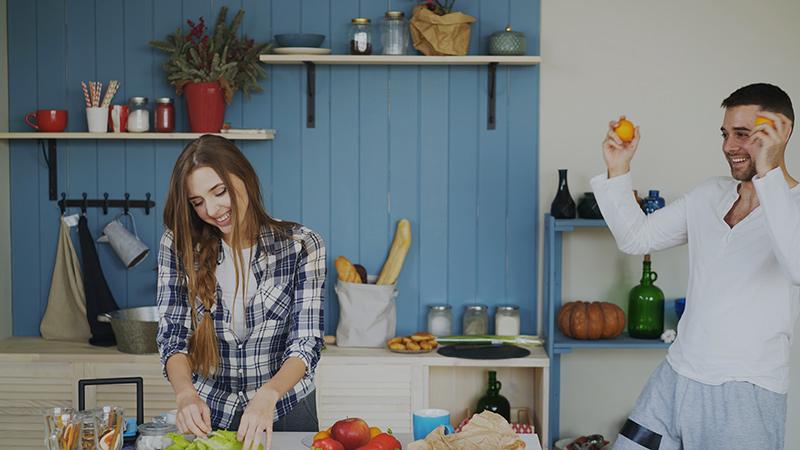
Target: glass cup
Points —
{"points": [[110, 423], [59, 428]]}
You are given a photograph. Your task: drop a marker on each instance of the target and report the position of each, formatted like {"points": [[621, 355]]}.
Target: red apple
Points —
{"points": [[327, 444], [387, 442], [351, 433]]}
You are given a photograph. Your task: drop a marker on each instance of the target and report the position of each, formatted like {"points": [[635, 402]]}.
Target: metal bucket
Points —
{"points": [[134, 328]]}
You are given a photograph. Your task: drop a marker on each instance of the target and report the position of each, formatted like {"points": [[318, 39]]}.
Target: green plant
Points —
{"points": [[222, 56], [440, 7]]}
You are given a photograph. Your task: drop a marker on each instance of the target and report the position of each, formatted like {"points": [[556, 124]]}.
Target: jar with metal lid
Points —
{"points": [[475, 320], [394, 33], [153, 435], [360, 36], [138, 115], [506, 320], [440, 320], [165, 115]]}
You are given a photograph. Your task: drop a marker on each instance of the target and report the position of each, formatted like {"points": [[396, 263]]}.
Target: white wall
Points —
{"points": [[667, 65], [5, 207]]}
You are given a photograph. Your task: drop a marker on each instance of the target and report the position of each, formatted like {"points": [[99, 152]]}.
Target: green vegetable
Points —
{"points": [[217, 440]]}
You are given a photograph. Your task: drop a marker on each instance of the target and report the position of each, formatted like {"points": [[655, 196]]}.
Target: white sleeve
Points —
{"points": [[635, 232], [782, 215]]}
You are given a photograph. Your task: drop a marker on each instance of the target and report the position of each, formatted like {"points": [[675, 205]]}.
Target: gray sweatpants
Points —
{"points": [[674, 412]]}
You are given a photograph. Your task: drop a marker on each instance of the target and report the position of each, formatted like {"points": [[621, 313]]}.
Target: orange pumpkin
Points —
{"points": [[591, 320]]}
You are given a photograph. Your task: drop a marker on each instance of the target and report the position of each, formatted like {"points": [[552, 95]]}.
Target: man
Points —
{"points": [[724, 382]]}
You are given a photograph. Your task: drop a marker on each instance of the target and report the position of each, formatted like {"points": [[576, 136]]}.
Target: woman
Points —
{"points": [[240, 296]]}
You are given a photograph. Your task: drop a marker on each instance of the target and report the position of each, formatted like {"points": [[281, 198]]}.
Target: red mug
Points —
{"points": [[47, 120]]}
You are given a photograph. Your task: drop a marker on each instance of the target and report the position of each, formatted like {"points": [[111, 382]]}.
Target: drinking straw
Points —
{"points": [[86, 94], [113, 85]]}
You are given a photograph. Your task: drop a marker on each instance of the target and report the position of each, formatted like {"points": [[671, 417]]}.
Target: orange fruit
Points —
{"points": [[625, 130], [760, 120], [321, 435], [374, 431]]}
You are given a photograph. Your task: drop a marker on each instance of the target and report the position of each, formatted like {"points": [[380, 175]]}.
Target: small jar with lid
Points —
{"points": [[506, 320], [440, 320], [394, 33], [475, 320], [360, 36], [165, 115], [138, 115], [153, 435]]}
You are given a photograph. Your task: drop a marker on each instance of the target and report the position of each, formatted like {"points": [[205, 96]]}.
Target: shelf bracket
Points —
{"points": [[490, 104], [311, 84], [51, 159]]}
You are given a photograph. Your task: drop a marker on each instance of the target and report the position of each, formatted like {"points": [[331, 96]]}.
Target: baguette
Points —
{"points": [[347, 272], [397, 254]]}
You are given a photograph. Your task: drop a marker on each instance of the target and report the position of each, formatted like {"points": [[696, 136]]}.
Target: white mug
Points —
{"points": [[97, 119]]}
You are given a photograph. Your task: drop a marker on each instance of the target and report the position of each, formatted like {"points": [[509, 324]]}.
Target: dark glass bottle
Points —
{"points": [[646, 306], [563, 206], [493, 401]]}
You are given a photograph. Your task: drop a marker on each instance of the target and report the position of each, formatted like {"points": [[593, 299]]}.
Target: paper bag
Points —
{"points": [[446, 35], [367, 314]]}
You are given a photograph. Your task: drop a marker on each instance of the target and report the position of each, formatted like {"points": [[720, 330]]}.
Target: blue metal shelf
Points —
{"points": [[564, 344]]}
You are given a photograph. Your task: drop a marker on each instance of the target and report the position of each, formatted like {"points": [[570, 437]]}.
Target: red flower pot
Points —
{"points": [[205, 104]]}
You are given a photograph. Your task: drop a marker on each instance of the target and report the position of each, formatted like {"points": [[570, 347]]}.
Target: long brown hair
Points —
{"points": [[197, 242]]}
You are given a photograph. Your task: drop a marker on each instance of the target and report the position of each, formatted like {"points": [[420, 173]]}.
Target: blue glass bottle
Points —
{"points": [[652, 202]]}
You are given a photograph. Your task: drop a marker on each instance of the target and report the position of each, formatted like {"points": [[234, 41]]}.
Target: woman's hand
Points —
{"points": [[616, 153], [257, 420], [193, 416]]}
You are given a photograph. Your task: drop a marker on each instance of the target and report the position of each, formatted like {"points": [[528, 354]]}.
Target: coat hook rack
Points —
{"points": [[84, 203]]}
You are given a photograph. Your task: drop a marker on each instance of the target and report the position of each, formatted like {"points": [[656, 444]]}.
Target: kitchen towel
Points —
{"points": [[65, 316], [98, 296]]}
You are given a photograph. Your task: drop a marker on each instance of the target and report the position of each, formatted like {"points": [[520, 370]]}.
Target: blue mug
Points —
{"points": [[427, 420]]}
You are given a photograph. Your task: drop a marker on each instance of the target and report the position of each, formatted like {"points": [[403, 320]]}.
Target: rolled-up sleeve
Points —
{"points": [[174, 325], [305, 335]]}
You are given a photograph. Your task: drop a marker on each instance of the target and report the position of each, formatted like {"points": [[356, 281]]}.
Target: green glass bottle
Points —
{"points": [[646, 306], [493, 401]]}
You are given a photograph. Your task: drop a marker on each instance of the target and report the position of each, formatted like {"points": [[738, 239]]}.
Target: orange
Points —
{"points": [[625, 130], [374, 431], [760, 120], [321, 435]]}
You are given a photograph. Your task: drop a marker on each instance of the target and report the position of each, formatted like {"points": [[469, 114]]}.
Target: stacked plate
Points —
{"points": [[300, 44]]}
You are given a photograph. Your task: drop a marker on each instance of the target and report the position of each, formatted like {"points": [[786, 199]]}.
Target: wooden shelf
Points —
{"points": [[403, 60], [270, 134]]}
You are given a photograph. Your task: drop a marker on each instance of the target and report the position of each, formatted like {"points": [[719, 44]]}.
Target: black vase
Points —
{"points": [[563, 207], [588, 208]]}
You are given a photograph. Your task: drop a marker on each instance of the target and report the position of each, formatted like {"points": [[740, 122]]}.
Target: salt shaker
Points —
{"points": [[506, 320], [138, 115]]}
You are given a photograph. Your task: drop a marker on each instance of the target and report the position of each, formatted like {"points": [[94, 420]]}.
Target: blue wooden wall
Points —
{"points": [[390, 142]]}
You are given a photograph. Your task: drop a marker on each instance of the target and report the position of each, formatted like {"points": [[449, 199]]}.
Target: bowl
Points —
{"points": [[299, 39]]}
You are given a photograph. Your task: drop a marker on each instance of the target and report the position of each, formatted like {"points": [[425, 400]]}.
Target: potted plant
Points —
{"points": [[211, 68], [437, 30]]}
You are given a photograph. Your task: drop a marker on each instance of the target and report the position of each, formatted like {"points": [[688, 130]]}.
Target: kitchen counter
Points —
{"points": [[294, 441]]}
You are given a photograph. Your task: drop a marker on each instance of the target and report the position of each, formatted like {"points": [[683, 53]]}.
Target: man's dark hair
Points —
{"points": [[769, 97]]}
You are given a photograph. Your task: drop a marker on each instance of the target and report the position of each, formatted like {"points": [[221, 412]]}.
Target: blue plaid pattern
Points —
{"points": [[285, 319]]}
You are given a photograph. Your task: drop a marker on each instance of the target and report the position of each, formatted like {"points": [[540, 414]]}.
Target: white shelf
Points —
{"points": [[269, 135], [403, 60]]}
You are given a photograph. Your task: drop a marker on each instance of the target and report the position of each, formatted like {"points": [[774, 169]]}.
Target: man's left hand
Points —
{"points": [[768, 142], [256, 425]]}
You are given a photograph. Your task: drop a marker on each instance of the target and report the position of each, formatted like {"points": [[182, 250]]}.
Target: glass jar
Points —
{"points": [[360, 36], [506, 320], [475, 320], [165, 115], [394, 33], [153, 435], [440, 320], [138, 115]]}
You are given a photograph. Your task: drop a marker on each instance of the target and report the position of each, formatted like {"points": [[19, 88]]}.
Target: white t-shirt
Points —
{"points": [[743, 297], [226, 278]]}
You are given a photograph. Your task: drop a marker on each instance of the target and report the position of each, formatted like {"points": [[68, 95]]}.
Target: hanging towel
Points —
{"points": [[98, 296], [65, 316]]}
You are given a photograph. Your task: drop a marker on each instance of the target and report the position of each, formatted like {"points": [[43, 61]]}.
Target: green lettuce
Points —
{"points": [[217, 440]]}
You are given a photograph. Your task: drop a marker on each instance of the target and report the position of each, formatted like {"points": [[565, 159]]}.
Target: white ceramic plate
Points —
{"points": [[301, 51]]}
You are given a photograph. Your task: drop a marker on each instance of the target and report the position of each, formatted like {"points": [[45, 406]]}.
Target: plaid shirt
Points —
{"points": [[284, 319]]}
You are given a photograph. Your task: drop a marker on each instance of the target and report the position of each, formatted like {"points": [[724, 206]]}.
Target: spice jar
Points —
{"points": [[360, 36], [475, 320], [506, 320], [165, 115], [440, 320], [138, 115], [394, 33], [153, 435]]}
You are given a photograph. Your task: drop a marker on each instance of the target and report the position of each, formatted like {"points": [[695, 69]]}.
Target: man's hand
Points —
{"points": [[616, 153], [257, 420], [193, 416], [768, 142]]}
